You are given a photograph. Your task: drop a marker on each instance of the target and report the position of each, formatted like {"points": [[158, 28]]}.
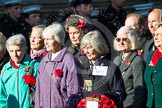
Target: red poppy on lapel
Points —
{"points": [[127, 62], [44, 53], [139, 52], [26, 69], [82, 52], [29, 79], [58, 73]]}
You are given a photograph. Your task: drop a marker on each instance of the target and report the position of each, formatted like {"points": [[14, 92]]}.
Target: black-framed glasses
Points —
{"points": [[122, 39]]}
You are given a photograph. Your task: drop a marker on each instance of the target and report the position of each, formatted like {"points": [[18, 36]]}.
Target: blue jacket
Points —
{"points": [[13, 89]]}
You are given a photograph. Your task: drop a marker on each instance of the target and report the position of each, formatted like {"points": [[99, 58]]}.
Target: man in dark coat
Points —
{"points": [[137, 22], [114, 16]]}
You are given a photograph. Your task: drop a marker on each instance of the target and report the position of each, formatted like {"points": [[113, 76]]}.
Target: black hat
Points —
{"points": [[74, 3]]}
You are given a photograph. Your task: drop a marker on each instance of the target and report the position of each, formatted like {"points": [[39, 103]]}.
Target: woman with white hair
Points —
{"points": [[16, 78], [58, 78], [37, 48], [132, 67], [103, 76]]}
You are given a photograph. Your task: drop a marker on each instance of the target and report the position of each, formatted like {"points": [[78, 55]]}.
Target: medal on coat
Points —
{"points": [[88, 85]]}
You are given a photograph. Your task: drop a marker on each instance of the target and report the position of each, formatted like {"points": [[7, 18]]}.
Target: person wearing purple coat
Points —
{"points": [[58, 75]]}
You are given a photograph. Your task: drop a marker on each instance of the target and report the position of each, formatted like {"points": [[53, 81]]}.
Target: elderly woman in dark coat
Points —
{"points": [[109, 80], [132, 67], [58, 78]]}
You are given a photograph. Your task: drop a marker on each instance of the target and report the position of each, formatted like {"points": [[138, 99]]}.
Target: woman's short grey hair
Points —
{"points": [[2, 42], [97, 41], [56, 31], [39, 27], [132, 36], [18, 40]]}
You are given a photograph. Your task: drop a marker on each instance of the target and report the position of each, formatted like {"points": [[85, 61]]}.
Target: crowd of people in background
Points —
{"points": [[116, 54]]}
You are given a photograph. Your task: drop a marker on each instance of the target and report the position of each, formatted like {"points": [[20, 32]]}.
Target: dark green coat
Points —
{"points": [[133, 75], [153, 79]]}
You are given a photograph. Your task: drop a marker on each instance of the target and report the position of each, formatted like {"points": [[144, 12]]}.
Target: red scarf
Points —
{"points": [[14, 65], [157, 54]]}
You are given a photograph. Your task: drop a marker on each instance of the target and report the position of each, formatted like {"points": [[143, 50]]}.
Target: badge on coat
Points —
{"points": [[88, 85], [100, 70]]}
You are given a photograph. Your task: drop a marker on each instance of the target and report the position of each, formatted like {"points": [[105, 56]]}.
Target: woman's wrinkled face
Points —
{"points": [[15, 11], [91, 53], [36, 40], [123, 43], [16, 53], [75, 35], [158, 38], [50, 44]]}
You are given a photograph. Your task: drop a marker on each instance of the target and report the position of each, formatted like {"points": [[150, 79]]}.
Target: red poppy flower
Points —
{"points": [[26, 69], [127, 62], [82, 52], [104, 101], [44, 53], [81, 23], [139, 52], [58, 73], [29, 79]]}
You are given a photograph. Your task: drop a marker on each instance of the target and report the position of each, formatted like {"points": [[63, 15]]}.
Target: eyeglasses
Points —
{"points": [[122, 39]]}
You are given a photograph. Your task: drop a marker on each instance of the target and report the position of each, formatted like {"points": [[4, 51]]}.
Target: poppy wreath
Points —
{"points": [[81, 23], [104, 101], [58, 73]]}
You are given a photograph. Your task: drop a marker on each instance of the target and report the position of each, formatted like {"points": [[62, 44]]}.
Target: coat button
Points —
{"points": [[152, 94], [154, 71]]}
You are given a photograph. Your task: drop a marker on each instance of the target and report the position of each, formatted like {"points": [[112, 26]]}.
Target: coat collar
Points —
{"points": [[58, 58], [124, 65], [25, 62]]}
